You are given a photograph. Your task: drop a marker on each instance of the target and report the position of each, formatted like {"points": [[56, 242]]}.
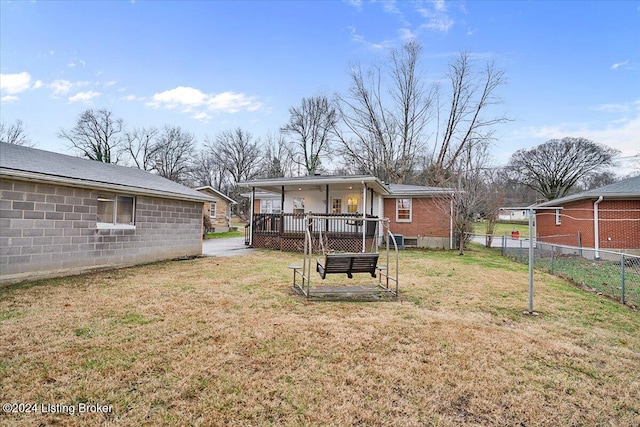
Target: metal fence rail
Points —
{"points": [[614, 274]]}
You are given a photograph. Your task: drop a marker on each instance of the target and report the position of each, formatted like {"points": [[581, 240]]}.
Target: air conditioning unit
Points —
{"points": [[399, 241]]}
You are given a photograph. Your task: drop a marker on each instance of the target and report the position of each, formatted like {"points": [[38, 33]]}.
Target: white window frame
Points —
{"points": [[352, 202], [410, 209], [116, 225], [558, 217], [213, 210], [333, 205], [266, 206], [298, 205]]}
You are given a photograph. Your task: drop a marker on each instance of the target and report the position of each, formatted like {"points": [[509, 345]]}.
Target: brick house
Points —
{"points": [[422, 215], [604, 218], [219, 211], [62, 215]]}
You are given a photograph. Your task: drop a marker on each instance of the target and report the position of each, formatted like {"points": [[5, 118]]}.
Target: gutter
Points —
{"points": [[596, 227]]}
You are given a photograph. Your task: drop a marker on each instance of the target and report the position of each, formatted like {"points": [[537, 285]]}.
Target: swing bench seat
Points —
{"points": [[348, 263]]}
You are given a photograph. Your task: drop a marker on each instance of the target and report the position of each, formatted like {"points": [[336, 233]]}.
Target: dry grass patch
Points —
{"points": [[224, 341]]}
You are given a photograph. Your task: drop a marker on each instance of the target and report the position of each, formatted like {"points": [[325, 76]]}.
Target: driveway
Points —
{"points": [[233, 246]]}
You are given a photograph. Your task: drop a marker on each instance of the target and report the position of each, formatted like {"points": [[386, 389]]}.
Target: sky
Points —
{"points": [[572, 67]]}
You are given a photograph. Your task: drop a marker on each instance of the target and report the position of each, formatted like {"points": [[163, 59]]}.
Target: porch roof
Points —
{"points": [[274, 185]]}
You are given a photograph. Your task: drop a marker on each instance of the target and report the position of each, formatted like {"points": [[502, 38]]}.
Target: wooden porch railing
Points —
{"points": [[291, 224]]}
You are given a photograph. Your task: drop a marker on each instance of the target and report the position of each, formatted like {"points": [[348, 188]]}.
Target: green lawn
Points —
{"points": [[502, 229]]}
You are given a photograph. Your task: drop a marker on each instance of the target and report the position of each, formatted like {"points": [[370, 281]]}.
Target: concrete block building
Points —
{"points": [[61, 215]]}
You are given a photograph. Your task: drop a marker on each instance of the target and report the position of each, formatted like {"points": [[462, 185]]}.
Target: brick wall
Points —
{"points": [[50, 230], [222, 220], [429, 221], [619, 224]]}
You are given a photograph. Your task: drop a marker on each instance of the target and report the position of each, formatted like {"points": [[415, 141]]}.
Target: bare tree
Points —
{"points": [[311, 125], [494, 196], [173, 154], [96, 135], [140, 146], [278, 158], [239, 152], [385, 128], [597, 180], [472, 93], [209, 169], [554, 168], [241, 157], [14, 134]]}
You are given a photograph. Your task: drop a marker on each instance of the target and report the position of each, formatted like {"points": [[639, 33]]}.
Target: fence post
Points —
{"points": [[622, 269], [553, 254], [504, 250], [520, 252]]}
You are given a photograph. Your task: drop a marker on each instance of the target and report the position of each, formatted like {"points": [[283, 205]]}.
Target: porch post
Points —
{"points": [[281, 214], [251, 208], [326, 208], [371, 213], [364, 216]]}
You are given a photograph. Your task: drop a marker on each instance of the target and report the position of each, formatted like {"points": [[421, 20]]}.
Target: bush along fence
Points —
{"points": [[614, 274]]}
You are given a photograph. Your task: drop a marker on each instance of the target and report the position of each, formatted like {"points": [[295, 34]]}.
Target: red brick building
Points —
{"points": [[604, 218]]}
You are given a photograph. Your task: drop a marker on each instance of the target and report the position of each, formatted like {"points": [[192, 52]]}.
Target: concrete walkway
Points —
{"points": [[232, 246]]}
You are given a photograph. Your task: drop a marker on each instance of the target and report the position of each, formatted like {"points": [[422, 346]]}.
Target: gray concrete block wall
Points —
{"points": [[50, 230]]}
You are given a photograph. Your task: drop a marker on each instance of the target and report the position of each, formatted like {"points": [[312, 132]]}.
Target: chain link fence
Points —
{"points": [[614, 274]]}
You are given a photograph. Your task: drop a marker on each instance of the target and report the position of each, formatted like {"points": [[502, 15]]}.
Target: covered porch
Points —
{"points": [[286, 231], [279, 206]]}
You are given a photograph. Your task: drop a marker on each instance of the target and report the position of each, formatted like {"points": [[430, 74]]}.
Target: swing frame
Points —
{"points": [[387, 282]]}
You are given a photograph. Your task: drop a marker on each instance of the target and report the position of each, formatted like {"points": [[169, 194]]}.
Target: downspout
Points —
{"points": [[596, 228], [251, 220]]}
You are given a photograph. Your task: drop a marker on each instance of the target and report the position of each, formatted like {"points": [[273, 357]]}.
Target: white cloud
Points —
{"points": [[185, 97], [38, 84], [84, 96], [619, 64], [131, 98], [436, 16], [621, 133], [202, 117], [63, 87], [355, 37], [188, 99], [625, 107], [231, 102], [9, 98], [60, 87], [15, 83]]}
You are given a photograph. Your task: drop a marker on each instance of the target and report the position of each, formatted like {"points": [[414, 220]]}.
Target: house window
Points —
{"points": [[213, 210], [115, 211], [298, 205], [558, 217], [352, 205], [270, 206], [336, 206], [403, 210]]}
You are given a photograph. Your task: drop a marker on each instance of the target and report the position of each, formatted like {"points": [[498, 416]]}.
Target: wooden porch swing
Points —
{"points": [[348, 263]]}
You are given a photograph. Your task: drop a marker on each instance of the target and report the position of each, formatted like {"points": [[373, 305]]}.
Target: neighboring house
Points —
{"points": [[61, 215], [604, 218], [510, 214], [421, 215], [219, 211]]}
